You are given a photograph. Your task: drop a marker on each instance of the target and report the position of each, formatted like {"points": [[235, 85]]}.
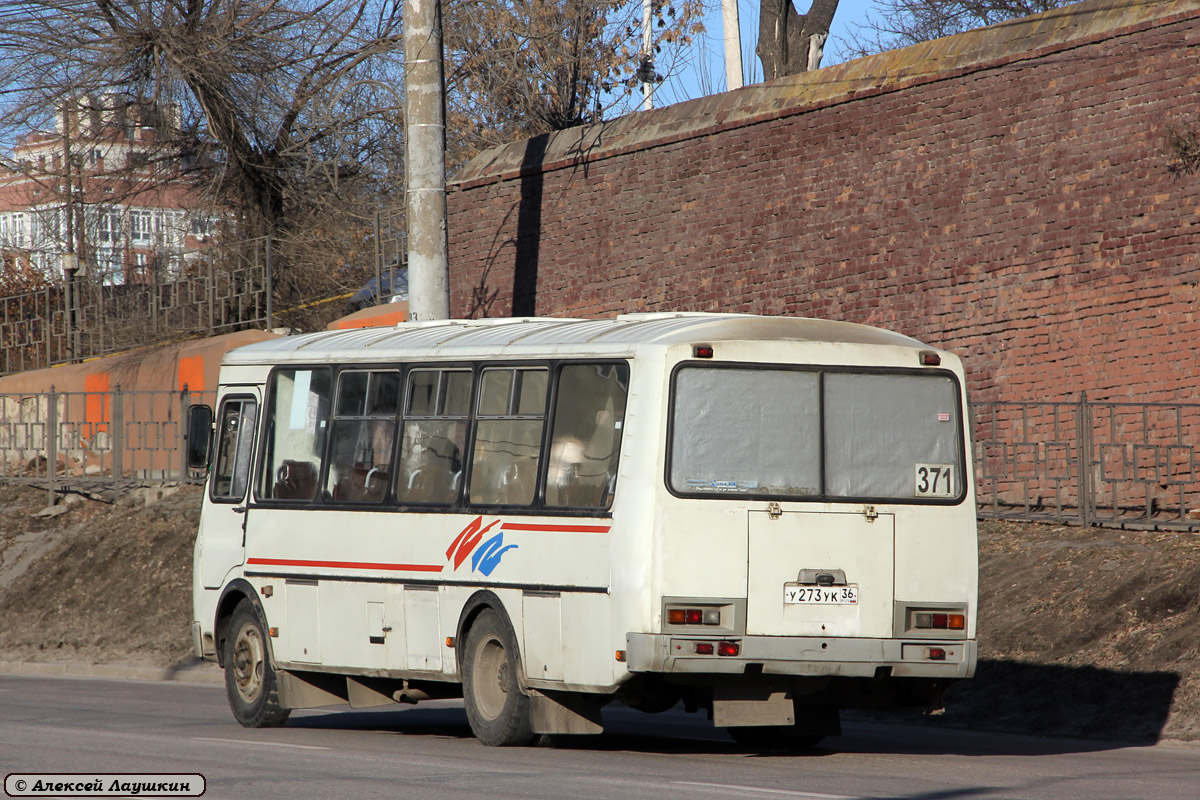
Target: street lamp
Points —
{"points": [[70, 267]]}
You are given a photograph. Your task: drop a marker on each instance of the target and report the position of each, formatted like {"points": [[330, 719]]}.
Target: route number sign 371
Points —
{"points": [[935, 480]]}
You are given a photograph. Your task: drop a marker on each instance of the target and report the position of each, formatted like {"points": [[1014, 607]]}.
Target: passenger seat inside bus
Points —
{"points": [[362, 484], [430, 480], [296, 480]]}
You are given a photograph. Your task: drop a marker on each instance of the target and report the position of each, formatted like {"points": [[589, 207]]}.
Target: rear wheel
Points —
{"points": [[774, 737], [250, 680], [813, 724], [496, 708]]}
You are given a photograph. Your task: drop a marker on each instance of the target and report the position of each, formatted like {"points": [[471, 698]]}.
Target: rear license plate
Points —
{"points": [[795, 594]]}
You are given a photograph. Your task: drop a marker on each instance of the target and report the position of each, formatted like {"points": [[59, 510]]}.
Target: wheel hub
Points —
{"points": [[248, 663]]}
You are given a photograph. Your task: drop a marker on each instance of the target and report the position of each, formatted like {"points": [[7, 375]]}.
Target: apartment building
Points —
{"points": [[109, 190]]}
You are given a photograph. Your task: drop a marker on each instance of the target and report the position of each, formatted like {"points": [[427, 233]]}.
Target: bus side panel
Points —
{"points": [[632, 600], [703, 550], [349, 565], [937, 557], [588, 655]]}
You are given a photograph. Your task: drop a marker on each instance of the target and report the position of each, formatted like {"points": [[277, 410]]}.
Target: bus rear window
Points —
{"points": [[813, 435]]}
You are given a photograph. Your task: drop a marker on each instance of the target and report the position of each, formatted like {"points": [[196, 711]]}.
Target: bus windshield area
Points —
{"points": [[811, 434]]}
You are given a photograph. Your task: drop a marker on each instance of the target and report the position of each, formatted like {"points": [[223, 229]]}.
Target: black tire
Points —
{"points": [[496, 708], [250, 680], [813, 724], [774, 737]]}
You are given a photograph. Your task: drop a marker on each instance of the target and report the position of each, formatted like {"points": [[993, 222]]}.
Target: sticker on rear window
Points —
{"points": [[934, 480], [699, 485]]}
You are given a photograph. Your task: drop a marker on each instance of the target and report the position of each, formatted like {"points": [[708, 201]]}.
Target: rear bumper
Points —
{"points": [[798, 655]]}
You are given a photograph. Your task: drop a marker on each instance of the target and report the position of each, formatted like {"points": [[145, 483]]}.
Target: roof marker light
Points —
{"points": [[702, 351], [930, 359]]}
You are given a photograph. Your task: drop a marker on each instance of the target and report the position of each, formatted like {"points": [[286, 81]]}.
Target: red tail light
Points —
{"points": [[940, 620], [728, 648], [694, 616]]}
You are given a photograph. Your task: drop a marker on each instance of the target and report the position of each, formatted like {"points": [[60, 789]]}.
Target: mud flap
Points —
{"points": [[367, 692], [739, 705], [310, 689], [564, 712]]}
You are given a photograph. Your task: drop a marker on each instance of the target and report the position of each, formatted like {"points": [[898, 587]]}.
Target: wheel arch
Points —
{"points": [[234, 593], [476, 604]]}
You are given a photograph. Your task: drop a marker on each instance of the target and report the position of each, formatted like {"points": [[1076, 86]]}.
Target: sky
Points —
{"points": [[706, 73]]}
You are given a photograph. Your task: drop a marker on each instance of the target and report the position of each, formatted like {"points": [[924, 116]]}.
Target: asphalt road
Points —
{"points": [[65, 725]]}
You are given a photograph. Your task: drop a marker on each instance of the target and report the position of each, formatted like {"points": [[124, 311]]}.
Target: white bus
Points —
{"points": [[766, 518]]}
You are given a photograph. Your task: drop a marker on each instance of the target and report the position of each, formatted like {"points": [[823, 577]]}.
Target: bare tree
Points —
{"points": [[288, 115], [899, 23], [790, 42], [289, 112], [246, 74], [519, 68]]}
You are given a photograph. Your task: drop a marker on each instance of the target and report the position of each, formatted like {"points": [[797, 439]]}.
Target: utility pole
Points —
{"points": [[647, 71], [70, 259], [733, 44], [425, 161]]}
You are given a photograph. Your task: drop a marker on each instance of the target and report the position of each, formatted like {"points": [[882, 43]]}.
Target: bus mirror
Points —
{"points": [[199, 436]]}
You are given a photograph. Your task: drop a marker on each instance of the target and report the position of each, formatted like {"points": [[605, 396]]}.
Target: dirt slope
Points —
{"points": [[1086, 632], [1083, 632], [110, 583]]}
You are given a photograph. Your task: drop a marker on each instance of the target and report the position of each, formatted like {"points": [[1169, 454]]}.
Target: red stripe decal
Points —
{"points": [[296, 562], [533, 527]]}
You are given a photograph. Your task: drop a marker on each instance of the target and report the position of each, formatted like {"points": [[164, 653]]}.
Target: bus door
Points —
{"points": [[222, 535], [820, 574]]}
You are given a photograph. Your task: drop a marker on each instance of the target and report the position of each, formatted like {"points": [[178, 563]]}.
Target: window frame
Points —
{"points": [[823, 496], [241, 398], [268, 390], [324, 495], [462, 504], [403, 417], [514, 399], [552, 420]]}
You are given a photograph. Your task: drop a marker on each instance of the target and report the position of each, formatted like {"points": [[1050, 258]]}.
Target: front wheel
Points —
{"points": [[496, 708], [250, 680]]}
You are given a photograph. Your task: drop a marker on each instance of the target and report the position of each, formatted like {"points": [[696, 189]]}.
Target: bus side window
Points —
{"points": [[508, 436], [234, 444], [361, 436], [296, 419], [589, 414], [434, 435]]}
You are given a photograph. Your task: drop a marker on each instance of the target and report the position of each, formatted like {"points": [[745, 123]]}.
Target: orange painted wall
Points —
{"points": [[194, 364], [372, 317]]}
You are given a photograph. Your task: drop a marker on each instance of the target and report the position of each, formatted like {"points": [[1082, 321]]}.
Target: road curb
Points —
{"points": [[190, 672]]}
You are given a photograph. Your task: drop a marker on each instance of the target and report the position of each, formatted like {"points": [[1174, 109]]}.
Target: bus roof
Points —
{"points": [[549, 336]]}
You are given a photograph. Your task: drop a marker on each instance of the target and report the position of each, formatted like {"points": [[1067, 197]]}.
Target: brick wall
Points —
{"points": [[1002, 194]]}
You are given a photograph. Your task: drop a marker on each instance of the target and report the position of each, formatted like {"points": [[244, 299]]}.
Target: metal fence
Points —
{"points": [[100, 443], [222, 288], [219, 290], [1129, 465]]}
